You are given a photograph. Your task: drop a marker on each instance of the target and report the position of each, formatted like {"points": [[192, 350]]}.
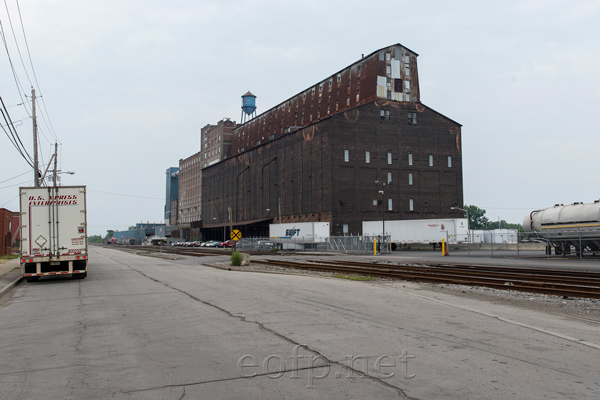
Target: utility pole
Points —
{"points": [[55, 157], [36, 178]]}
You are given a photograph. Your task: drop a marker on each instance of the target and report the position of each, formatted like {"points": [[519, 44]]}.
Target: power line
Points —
{"points": [[10, 201], [16, 43], [16, 184], [20, 88], [126, 195], [12, 67], [10, 179], [49, 122], [14, 136]]}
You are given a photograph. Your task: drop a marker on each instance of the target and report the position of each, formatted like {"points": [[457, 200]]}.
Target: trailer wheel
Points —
{"points": [[32, 278], [79, 276]]}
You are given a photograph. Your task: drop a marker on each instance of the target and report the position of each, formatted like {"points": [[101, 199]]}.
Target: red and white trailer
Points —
{"points": [[53, 231]]}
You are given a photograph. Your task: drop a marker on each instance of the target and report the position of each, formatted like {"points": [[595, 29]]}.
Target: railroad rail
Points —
{"points": [[544, 281], [551, 282]]}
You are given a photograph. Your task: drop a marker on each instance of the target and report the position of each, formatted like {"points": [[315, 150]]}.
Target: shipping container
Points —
{"points": [[420, 231]]}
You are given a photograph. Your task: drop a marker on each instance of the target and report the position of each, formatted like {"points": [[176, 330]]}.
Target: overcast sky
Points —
{"points": [[127, 86]]}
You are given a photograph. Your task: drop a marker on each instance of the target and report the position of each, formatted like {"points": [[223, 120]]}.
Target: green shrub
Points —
{"points": [[236, 259]]}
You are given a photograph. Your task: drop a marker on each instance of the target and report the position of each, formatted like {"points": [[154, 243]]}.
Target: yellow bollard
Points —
{"points": [[375, 246], [444, 248]]}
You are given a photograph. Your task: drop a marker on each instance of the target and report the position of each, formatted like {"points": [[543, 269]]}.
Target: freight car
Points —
{"points": [[574, 226]]}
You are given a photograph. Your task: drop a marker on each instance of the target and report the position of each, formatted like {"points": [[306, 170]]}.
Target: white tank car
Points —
{"points": [[564, 227]]}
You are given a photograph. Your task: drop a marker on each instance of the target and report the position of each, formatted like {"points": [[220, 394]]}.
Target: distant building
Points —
{"points": [[7, 230], [215, 146], [138, 235], [172, 196]]}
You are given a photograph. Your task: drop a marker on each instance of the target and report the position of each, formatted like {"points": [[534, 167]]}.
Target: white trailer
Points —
{"points": [[420, 231], [299, 235], [53, 231]]}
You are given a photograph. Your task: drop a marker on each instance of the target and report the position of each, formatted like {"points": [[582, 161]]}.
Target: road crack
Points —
{"points": [[328, 362]]}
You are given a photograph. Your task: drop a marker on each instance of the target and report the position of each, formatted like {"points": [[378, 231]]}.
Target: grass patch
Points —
{"points": [[4, 259], [236, 259], [355, 278]]}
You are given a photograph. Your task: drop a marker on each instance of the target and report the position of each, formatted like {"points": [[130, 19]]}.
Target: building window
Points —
{"points": [[389, 177], [411, 205], [390, 208], [346, 155], [385, 115], [367, 157], [449, 161], [412, 118], [389, 158], [431, 160], [410, 178], [345, 229], [410, 160]]}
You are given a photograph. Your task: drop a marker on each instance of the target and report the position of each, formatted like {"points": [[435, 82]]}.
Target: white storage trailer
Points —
{"points": [[299, 235], [420, 231], [53, 231]]}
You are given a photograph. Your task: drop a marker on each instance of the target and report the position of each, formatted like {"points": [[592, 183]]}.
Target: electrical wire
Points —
{"points": [[126, 195], [12, 67], [14, 136], [49, 121], [16, 43], [16, 184], [10, 201], [10, 179], [20, 88], [16, 140]]}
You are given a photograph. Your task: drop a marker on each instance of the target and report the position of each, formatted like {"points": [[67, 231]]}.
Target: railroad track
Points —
{"points": [[551, 282]]}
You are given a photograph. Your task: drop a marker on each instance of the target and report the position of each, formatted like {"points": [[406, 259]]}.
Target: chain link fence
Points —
{"points": [[342, 244], [483, 243]]}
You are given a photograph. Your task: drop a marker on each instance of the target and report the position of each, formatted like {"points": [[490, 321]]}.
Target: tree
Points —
{"points": [[109, 234], [95, 239], [131, 228], [477, 218]]}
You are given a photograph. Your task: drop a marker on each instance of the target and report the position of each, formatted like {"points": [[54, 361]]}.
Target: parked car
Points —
{"points": [[266, 245], [227, 243], [212, 243]]}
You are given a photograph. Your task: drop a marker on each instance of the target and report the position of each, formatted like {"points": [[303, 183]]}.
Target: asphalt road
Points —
{"points": [[147, 328]]}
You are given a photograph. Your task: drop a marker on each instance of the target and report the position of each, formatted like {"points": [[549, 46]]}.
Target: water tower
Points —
{"points": [[248, 106]]}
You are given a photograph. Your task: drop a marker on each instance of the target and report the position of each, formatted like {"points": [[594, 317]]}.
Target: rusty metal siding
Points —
{"points": [[356, 85]]}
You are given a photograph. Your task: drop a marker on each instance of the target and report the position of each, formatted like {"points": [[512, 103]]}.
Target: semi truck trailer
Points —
{"points": [[53, 231]]}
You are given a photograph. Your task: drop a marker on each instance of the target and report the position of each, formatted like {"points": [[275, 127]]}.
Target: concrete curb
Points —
{"points": [[11, 285], [10, 276]]}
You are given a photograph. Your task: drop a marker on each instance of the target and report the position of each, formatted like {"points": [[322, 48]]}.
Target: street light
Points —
{"points": [[468, 227]]}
